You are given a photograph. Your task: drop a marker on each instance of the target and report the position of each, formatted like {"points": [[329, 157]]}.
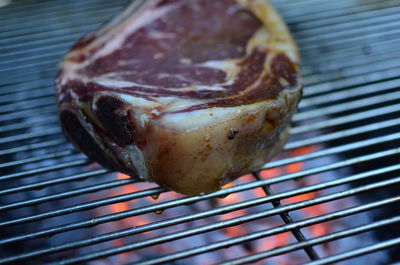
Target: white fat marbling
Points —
{"points": [[131, 25], [138, 101], [197, 119]]}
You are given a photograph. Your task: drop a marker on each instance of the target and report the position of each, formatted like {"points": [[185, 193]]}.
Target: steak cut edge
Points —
{"points": [[190, 94]]}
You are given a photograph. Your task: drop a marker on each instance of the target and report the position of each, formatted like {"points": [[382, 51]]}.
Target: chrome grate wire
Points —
{"points": [[349, 114]]}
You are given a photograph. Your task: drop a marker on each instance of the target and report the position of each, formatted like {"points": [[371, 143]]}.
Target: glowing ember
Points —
{"points": [[225, 233]]}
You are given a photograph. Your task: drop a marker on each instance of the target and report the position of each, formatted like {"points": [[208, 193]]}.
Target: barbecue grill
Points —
{"points": [[332, 197]]}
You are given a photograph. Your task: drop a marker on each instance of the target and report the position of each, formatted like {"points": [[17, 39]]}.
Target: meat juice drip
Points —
{"points": [[155, 196]]}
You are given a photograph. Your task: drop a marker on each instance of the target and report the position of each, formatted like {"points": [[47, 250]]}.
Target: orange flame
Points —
{"points": [[239, 230]]}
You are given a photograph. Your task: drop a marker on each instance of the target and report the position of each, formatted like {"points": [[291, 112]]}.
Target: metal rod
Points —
{"points": [[28, 75], [371, 100], [96, 16], [349, 33], [351, 81], [26, 113], [356, 21], [67, 194], [41, 122], [291, 160], [78, 11], [352, 71], [26, 86], [43, 101], [227, 223], [363, 250], [320, 240], [327, 22], [85, 206], [342, 134], [328, 33], [59, 51], [297, 15], [288, 220], [40, 92], [30, 135], [339, 149], [334, 150], [30, 147], [347, 119], [271, 231], [333, 59], [189, 200], [30, 172], [36, 158], [220, 210], [43, 184], [10, 10], [315, 59]]}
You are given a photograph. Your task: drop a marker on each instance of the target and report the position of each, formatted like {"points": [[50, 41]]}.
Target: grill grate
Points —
{"points": [[348, 120]]}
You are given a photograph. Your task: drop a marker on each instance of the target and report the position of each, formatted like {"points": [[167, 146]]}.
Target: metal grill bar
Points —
{"points": [[190, 200], [230, 222], [346, 106], [335, 57], [300, 143], [36, 158], [360, 93], [347, 119], [288, 220], [341, 134], [296, 130], [16, 28], [68, 194], [107, 201], [363, 250], [29, 75], [353, 71], [368, 90], [46, 121], [25, 113], [345, 25], [43, 184], [315, 31], [296, 144], [298, 117], [25, 86], [30, 147], [31, 94], [303, 15], [25, 136], [43, 101], [27, 173], [85, 206], [342, 67], [314, 140], [273, 231], [220, 210], [45, 8], [352, 81], [331, 22], [350, 34], [319, 240]]}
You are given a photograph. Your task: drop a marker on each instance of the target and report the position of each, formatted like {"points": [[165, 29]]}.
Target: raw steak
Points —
{"points": [[189, 94]]}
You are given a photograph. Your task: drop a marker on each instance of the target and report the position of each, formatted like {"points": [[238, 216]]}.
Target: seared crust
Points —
{"points": [[193, 144]]}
